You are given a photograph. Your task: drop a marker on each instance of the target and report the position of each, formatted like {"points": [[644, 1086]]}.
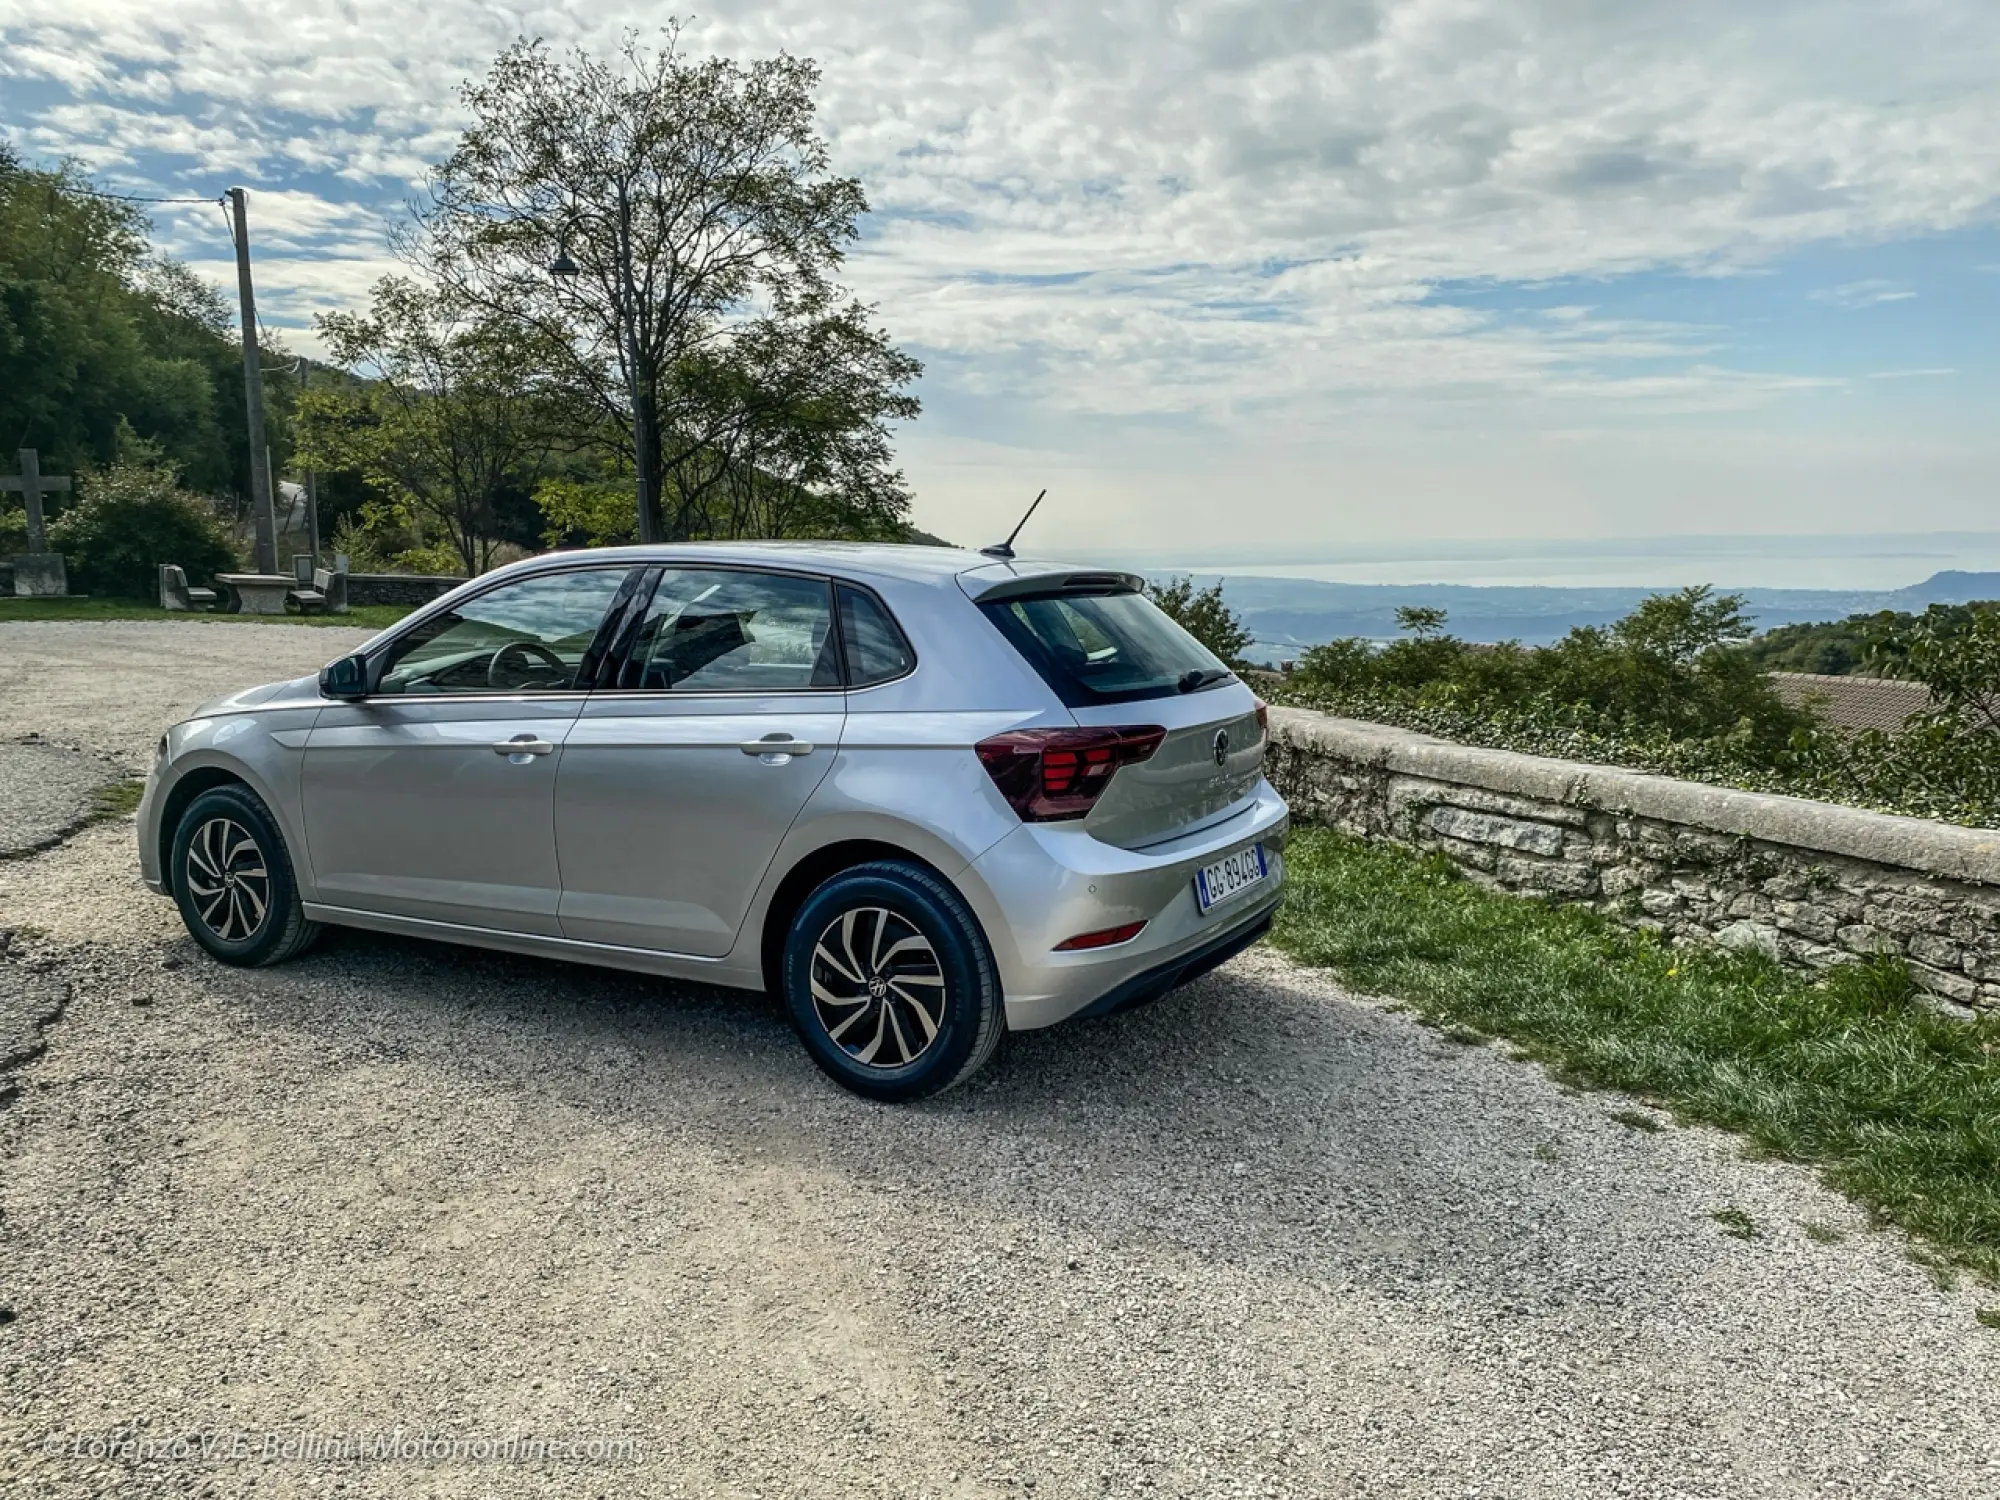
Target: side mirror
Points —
{"points": [[346, 678]]}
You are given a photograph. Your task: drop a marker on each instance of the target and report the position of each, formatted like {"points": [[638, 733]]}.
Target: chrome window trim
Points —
{"points": [[566, 695]]}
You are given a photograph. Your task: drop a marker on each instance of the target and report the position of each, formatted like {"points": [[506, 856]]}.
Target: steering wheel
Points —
{"points": [[528, 651]]}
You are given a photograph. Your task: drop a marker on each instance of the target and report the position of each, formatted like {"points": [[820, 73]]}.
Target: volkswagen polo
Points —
{"points": [[922, 795]]}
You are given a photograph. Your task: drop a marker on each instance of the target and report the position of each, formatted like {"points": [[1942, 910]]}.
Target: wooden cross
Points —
{"points": [[34, 485]]}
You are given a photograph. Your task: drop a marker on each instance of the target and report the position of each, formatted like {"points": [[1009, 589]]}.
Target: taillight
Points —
{"points": [[1263, 719], [1048, 775]]}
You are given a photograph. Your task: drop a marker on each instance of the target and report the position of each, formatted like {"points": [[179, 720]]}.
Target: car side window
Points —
{"points": [[525, 637], [729, 630], [876, 648]]}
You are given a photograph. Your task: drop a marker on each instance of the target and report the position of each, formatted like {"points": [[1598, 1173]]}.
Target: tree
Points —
{"points": [[447, 415], [690, 206], [1682, 626], [1952, 649], [99, 337], [1203, 615], [1421, 620]]}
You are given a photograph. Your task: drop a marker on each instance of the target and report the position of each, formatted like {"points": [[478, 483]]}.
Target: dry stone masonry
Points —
{"points": [[1808, 883]]}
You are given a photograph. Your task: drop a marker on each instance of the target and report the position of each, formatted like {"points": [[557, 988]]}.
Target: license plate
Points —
{"points": [[1229, 876]]}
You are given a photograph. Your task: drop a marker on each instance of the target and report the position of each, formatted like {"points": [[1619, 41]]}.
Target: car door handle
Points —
{"points": [[777, 744], [523, 744]]}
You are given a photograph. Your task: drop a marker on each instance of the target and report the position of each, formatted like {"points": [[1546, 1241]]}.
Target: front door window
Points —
{"points": [[527, 637]]}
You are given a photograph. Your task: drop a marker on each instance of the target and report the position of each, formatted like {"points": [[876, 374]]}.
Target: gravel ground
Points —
{"points": [[1263, 1238], [113, 686]]}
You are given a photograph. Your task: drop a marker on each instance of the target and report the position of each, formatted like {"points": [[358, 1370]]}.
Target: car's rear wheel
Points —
{"points": [[890, 983], [233, 880]]}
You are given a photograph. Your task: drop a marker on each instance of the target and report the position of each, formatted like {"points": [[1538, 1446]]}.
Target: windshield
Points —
{"points": [[1105, 648]]}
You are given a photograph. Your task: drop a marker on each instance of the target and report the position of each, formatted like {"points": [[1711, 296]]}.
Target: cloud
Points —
{"points": [[1869, 293], [1225, 213]]}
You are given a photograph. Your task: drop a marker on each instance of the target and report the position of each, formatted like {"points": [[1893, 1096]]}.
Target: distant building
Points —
{"points": [[1854, 703]]}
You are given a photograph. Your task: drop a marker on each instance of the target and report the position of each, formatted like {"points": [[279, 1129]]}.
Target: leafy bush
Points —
{"points": [[1673, 669], [1671, 689], [382, 537], [128, 520], [1203, 615], [13, 529]]}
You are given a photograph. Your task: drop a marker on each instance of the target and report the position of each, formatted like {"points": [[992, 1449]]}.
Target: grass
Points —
{"points": [[118, 799], [1735, 1223], [1853, 1073], [364, 616]]}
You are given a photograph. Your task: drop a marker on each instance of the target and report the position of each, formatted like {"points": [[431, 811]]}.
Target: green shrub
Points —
{"points": [[1672, 689], [1673, 669], [129, 519], [13, 529]]}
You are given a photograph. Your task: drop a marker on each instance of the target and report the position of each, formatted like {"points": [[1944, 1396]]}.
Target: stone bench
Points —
{"points": [[178, 596]]}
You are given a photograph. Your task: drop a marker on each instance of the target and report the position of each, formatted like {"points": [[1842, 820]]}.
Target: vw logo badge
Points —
{"points": [[1221, 746]]}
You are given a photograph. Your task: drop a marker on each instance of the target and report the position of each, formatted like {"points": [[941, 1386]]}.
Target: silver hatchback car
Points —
{"points": [[921, 795]]}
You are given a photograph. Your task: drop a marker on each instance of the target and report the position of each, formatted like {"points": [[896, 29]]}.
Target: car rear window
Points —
{"points": [[1105, 647]]}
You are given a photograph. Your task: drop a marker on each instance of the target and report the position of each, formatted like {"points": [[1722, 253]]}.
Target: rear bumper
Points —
{"points": [[1144, 989], [1045, 883]]}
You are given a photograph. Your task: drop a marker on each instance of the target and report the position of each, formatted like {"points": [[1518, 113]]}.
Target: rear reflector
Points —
{"points": [[1048, 775], [1105, 939]]}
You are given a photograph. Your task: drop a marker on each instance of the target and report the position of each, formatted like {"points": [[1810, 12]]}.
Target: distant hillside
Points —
{"points": [[1285, 615], [1943, 588]]}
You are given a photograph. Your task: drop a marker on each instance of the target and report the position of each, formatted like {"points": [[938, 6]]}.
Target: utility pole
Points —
{"points": [[312, 480], [262, 514]]}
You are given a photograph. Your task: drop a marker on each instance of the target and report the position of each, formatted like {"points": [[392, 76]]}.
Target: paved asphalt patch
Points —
{"points": [[45, 792]]}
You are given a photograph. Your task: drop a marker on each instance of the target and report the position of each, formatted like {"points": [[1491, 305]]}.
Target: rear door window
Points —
{"points": [[730, 630], [1105, 648]]}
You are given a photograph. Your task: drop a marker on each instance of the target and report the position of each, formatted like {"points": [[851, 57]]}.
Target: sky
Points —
{"points": [[1273, 280]]}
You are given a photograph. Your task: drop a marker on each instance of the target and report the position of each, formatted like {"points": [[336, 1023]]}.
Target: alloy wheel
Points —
{"points": [[877, 987], [229, 879]]}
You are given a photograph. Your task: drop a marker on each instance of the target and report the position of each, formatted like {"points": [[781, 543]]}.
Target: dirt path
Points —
{"points": [[1263, 1238]]}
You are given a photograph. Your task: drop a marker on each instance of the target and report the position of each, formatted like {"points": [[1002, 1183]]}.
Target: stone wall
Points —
{"points": [[398, 588], [1809, 883]]}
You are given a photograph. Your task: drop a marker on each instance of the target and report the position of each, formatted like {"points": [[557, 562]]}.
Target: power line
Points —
{"points": [[139, 198]]}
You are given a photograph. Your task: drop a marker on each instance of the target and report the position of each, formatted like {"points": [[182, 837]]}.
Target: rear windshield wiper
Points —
{"points": [[1202, 677]]}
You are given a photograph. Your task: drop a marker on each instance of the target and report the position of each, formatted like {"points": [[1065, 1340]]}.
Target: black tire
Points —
{"points": [[232, 878], [894, 933]]}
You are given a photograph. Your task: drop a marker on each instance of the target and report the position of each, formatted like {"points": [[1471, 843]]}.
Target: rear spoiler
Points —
{"points": [[1015, 581]]}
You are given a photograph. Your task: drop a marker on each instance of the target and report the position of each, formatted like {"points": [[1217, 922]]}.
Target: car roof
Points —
{"points": [[867, 561]]}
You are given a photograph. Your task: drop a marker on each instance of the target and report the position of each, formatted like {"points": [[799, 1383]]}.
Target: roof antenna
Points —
{"points": [[1005, 550]]}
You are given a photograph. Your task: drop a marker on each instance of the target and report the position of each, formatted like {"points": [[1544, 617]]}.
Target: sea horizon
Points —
{"points": [[1875, 562]]}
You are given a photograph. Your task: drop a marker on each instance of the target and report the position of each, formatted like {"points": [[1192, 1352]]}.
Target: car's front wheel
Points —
{"points": [[890, 983], [233, 880]]}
